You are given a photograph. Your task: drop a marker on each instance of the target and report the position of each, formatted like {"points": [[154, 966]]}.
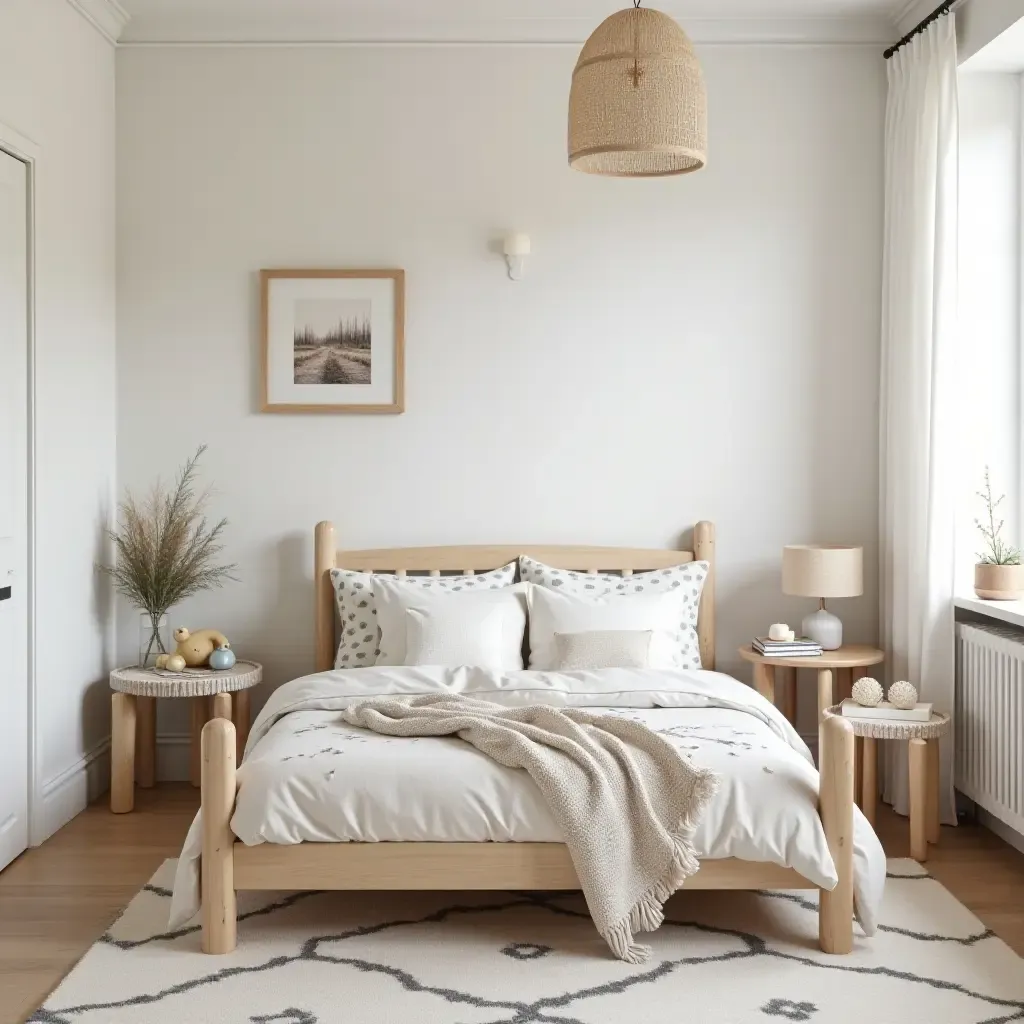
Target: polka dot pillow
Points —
{"points": [[359, 642], [689, 579]]}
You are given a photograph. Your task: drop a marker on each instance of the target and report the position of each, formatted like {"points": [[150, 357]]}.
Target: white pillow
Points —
{"points": [[359, 634], [603, 648], [552, 612], [687, 581], [463, 613]]}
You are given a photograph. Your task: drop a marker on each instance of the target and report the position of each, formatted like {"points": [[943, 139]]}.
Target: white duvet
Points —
{"points": [[308, 776]]}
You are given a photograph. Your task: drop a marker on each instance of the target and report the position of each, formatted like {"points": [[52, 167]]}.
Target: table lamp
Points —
{"points": [[823, 571]]}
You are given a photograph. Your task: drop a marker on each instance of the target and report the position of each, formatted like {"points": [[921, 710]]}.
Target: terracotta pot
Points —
{"points": [[999, 582]]}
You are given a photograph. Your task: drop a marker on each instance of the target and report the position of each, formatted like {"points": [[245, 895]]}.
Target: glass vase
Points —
{"points": [[153, 639]]}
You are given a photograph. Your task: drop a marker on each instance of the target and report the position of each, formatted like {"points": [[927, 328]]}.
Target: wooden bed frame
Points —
{"points": [[228, 865]]}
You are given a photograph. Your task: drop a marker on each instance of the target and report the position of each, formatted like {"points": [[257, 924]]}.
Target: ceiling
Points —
{"points": [[241, 21]]}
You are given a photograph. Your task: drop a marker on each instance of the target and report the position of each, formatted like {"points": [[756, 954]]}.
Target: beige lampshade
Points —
{"points": [[638, 106], [822, 570]]}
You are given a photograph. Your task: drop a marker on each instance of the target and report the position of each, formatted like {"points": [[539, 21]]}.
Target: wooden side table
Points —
{"points": [[924, 771], [849, 663], [133, 720]]}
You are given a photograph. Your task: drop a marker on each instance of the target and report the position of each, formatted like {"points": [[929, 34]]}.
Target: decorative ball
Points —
{"points": [[222, 659], [175, 663], [868, 692], [903, 695]]}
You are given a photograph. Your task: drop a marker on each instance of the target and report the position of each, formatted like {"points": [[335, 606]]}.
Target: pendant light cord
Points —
{"points": [[636, 74]]}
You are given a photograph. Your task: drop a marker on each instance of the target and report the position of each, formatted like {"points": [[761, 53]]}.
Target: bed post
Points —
{"points": [[324, 553], [836, 758], [704, 551], [218, 877]]}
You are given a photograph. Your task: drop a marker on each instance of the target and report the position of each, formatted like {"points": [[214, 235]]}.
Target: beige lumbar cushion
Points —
{"points": [[603, 648]]}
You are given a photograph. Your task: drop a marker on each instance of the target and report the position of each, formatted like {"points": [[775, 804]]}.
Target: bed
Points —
{"points": [[295, 839]]}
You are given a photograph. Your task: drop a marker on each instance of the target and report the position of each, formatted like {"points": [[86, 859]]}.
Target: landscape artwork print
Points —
{"points": [[333, 341]]}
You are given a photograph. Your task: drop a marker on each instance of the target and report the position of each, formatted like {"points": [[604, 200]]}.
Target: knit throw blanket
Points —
{"points": [[626, 800]]}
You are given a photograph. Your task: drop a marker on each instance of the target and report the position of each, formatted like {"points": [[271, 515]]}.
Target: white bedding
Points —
{"points": [[308, 776]]}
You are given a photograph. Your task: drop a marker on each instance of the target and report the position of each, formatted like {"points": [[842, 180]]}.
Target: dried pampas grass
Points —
{"points": [[165, 549]]}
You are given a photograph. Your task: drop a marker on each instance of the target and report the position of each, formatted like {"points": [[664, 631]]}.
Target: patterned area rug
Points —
{"points": [[512, 958]]}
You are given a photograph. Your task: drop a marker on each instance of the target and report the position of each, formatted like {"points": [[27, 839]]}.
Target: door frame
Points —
{"points": [[28, 152]]}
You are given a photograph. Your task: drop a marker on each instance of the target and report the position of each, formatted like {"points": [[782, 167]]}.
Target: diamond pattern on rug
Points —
{"points": [[526, 950], [530, 958]]}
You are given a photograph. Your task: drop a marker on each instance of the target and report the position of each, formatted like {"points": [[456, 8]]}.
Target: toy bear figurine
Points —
{"points": [[193, 648]]}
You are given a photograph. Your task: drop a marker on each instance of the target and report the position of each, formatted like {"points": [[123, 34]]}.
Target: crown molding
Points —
{"points": [[910, 12], [913, 12], [108, 17], [291, 29]]}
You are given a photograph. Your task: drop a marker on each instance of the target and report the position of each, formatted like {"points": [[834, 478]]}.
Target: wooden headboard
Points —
{"points": [[469, 560]]}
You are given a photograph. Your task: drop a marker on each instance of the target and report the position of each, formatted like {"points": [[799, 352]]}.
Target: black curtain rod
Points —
{"points": [[939, 11]]}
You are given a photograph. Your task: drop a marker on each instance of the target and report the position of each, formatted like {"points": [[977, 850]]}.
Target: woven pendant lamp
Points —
{"points": [[638, 106]]}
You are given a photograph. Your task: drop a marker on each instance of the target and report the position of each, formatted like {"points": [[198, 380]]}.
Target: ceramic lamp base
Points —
{"points": [[825, 628]]}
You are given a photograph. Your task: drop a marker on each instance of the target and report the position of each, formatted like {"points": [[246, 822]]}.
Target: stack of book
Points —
{"points": [[801, 647], [921, 712]]}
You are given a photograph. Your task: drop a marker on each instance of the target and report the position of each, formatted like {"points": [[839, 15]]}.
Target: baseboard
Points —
{"points": [[69, 793], [1000, 828], [173, 752]]}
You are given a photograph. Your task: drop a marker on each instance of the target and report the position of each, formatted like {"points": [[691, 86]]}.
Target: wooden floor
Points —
{"points": [[55, 901]]}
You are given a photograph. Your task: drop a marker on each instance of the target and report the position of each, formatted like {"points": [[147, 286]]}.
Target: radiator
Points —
{"points": [[989, 719]]}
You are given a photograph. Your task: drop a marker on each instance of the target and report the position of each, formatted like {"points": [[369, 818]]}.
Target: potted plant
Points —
{"points": [[998, 575], [165, 552]]}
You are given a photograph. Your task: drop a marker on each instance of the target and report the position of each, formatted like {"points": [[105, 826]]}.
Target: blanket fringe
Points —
{"points": [[647, 914]]}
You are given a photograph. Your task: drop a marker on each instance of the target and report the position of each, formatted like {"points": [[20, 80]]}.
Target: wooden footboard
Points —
{"points": [[836, 764], [482, 865], [218, 874]]}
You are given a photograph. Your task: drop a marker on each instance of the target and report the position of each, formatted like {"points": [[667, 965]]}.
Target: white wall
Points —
{"points": [[981, 21], [989, 314], [704, 347], [57, 88], [978, 22]]}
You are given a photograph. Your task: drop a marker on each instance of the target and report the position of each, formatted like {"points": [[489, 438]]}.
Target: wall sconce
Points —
{"points": [[517, 248]]}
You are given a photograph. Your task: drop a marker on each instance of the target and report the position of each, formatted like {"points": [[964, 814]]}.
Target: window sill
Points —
{"points": [[1003, 611]]}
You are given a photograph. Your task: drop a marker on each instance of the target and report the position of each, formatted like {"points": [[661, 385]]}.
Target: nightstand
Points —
{"points": [[133, 719], [849, 663], [923, 752]]}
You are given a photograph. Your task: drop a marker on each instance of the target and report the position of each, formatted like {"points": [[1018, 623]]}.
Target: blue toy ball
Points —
{"points": [[221, 659]]}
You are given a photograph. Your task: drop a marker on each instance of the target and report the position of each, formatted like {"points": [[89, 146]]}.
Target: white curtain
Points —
{"points": [[917, 436]]}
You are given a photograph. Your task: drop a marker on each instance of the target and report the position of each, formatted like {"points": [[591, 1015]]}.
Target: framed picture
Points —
{"points": [[333, 340]]}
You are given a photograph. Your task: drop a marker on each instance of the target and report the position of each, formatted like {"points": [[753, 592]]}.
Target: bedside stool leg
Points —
{"points": [[918, 800], [789, 678], [122, 754], [241, 714], [824, 692], [145, 741], [222, 706], [869, 780], [933, 791], [844, 684], [764, 680], [200, 714]]}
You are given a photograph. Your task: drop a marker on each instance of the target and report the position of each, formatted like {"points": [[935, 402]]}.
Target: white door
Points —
{"points": [[13, 508]]}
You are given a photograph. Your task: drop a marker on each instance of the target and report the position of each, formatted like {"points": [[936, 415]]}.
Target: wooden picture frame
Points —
{"points": [[323, 332]]}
